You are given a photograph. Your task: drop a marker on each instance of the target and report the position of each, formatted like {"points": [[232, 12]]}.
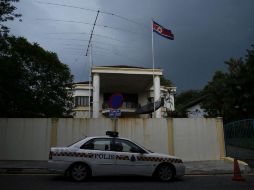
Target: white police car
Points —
{"points": [[110, 155]]}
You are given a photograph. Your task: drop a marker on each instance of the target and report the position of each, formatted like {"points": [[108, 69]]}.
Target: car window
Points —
{"points": [[121, 145], [97, 144]]}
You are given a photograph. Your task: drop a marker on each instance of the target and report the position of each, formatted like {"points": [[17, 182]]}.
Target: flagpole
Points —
{"points": [[90, 80], [153, 72]]}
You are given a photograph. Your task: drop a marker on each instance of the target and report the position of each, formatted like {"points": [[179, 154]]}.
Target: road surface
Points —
{"points": [[56, 182]]}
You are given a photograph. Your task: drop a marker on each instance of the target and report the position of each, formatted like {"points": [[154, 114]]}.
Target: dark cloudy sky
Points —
{"points": [[207, 33]]}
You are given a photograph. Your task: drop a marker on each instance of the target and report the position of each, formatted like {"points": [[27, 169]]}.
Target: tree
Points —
{"points": [[216, 90], [165, 82], [32, 81], [230, 94], [183, 99], [7, 12]]}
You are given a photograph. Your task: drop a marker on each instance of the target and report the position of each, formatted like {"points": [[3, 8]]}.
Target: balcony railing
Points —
{"points": [[126, 105]]}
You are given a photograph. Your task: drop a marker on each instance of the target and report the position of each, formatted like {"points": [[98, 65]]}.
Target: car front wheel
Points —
{"points": [[165, 173], [79, 172]]}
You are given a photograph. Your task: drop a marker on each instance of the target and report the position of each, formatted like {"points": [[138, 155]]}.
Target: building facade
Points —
{"points": [[194, 108], [195, 111], [138, 86]]}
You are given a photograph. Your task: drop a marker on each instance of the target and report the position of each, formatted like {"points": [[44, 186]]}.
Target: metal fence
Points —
{"points": [[239, 129], [239, 140]]}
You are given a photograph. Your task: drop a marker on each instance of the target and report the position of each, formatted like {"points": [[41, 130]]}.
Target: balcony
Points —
{"points": [[126, 105]]}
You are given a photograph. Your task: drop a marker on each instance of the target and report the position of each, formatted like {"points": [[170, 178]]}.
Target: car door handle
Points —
{"points": [[133, 159]]}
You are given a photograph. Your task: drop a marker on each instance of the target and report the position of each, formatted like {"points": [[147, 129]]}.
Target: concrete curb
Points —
{"points": [[45, 171], [221, 167], [246, 170], [230, 159], [24, 171]]}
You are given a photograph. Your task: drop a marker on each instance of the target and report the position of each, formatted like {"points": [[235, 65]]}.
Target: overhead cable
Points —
{"points": [[87, 23], [93, 10]]}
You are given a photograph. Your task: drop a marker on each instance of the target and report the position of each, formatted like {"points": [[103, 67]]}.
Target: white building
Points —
{"points": [[194, 109], [137, 85], [81, 99]]}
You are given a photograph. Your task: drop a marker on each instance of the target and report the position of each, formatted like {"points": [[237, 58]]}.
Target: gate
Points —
{"points": [[239, 140], [240, 133]]}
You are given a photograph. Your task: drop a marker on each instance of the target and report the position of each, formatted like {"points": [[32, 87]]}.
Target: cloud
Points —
{"points": [[207, 33]]}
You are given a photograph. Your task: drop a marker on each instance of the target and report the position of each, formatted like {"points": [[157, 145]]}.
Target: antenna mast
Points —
{"points": [[91, 36], [91, 63]]}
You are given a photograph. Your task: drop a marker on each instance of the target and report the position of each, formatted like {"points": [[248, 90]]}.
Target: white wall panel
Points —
{"points": [[196, 139], [30, 139]]}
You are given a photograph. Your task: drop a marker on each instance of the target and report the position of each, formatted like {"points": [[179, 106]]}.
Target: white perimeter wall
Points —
{"points": [[198, 137], [191, 139]]}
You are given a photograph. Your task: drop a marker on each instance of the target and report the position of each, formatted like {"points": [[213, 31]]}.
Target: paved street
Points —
{"points": [[56, 182]]}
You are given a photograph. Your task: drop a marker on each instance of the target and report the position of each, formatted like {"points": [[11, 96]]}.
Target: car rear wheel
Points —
{"points": [[165, 172], [79, 172]]}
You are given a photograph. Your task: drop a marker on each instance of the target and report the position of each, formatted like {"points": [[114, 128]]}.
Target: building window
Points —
{"points": [[129, 100], [81, 101]]}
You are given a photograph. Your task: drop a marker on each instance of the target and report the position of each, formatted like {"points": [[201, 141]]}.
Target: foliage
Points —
{"points": [[183, 99], [165, 82], [32, 81], [230, 94], [7, 12], [215, 90]]}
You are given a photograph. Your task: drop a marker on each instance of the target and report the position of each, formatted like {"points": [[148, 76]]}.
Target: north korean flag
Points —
{"points": [[162, 31]]}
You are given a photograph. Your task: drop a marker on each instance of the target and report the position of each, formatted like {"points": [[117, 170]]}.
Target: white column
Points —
{"points": [[157, 94], [96, 95]]}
